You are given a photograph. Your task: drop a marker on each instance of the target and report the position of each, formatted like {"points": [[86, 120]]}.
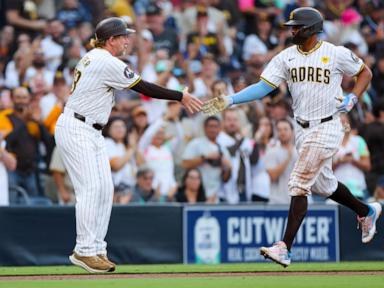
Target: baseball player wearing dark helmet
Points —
{"points": [[81, 144], [313, 70], [309, 21], [111, 27]]}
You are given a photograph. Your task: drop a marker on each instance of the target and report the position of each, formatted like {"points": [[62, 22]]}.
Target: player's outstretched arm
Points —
{"points": [[253, 92], [191, 103]]}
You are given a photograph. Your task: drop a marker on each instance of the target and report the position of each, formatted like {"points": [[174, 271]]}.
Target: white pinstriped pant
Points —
{"points": [[84, 155], [313, 169]]}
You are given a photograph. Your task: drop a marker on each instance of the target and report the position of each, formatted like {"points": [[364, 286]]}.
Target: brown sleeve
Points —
{"points": [[156, 91]]}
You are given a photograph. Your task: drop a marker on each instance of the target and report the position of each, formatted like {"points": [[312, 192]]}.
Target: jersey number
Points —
{"points": [[76, 78]]}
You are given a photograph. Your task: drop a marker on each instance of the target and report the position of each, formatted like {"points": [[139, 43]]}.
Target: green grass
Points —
{"points": [[212, 282], [285, 280], [180, 268]]}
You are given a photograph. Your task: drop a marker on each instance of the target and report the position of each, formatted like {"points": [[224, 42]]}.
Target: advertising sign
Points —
{"points": [[227, 234]]}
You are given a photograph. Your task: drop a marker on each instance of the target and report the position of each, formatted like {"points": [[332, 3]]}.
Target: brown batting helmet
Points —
{"points": [[110, 27]]}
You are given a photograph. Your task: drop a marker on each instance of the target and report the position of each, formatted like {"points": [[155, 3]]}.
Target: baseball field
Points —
{"points": [[344, 274]]}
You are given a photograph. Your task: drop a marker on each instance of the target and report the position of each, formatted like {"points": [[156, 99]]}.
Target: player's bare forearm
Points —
{"points": [[275, 173], [58, 177], [8, 159], [363, 163], [226, 174], [192, 163], [362, 81]]}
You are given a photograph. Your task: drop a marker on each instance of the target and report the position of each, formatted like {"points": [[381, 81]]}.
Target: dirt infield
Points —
{"points": [[185, 275]]}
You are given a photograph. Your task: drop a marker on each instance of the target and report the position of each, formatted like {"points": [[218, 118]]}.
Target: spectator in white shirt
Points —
{"points": [[124, 158], [351, 161], [261, 46], [16, 69], [210, 158], [280, 160], [260, 177], [157, 151], [7, 162], [243, 152], [64, 186], [39, 68], [52, 45]]}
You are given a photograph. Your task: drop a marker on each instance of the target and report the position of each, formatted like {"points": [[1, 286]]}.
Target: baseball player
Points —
{"points": [[81, 144], [313, 70]]}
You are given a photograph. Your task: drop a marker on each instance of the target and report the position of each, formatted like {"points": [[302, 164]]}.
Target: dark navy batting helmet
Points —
{"points": [[110, 27], [309, 20]]}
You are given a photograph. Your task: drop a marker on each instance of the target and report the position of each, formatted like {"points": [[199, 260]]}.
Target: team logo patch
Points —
{"points": [[128, 73], [86, 61], [325, 59], [354, 57]]}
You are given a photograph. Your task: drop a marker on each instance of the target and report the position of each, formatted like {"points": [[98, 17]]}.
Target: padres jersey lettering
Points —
{"points": [[310, 74], [313, 78]]}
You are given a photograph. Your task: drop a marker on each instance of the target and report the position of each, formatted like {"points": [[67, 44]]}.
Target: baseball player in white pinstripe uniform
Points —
{"points": [[81, 144], [313, 70]]}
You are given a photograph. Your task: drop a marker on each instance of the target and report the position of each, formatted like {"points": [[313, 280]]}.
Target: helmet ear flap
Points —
{"points": [[313, 29], [305, 32], [301, 35]]}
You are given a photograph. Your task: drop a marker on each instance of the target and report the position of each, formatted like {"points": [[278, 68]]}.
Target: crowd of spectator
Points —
{"points": [[159, 153]]}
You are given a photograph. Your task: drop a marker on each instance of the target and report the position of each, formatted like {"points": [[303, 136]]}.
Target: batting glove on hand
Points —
{"points": [[346, 103], [216, 105]]}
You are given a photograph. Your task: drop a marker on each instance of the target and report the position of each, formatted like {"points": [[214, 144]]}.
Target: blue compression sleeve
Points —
{"points": [[253, 92]]}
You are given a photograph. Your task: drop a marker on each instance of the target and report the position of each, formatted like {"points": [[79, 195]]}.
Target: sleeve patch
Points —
{"points": [[128, 73], [354, 57]]}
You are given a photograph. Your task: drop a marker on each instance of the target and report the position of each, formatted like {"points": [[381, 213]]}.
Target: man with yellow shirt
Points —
{"points": [[22, 133], [52, 104]]}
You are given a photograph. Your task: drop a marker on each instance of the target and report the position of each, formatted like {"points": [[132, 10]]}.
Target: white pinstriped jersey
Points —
{"points": [[96, 76], [313, 77]]}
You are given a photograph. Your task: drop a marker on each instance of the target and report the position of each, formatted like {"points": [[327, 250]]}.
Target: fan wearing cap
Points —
{"points": [[205, 40], [164, 38], [81, 144]]}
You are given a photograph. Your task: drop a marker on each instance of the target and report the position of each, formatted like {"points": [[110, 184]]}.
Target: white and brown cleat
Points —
{"points": [[278, 253], [105, 259], [92, 264]]}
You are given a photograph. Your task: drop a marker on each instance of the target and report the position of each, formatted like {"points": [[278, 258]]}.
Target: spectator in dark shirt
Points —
{"points": [[22, 15], [192, 189], [205, 40], [143, 191], [378, 76], [23, 135], [163, 38], [373, 133], [372, 26], [73, 13], [7, 36]]}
